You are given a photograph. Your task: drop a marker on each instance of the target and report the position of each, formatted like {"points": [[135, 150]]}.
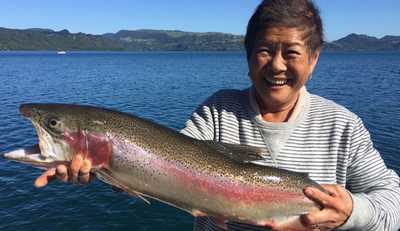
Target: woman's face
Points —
{"points": [[280, 64]]}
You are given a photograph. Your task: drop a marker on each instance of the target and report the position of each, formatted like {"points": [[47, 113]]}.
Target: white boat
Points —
{"points": [[61, 52]]}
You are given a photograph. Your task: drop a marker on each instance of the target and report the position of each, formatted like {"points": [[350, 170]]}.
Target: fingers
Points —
{"points": [[318, 196], [80, 169], [336, 205], [333, 190], [336, 197], [78, 172], [47, 176], [321, 217], [84, 173], [62, 173], [76, 165]]}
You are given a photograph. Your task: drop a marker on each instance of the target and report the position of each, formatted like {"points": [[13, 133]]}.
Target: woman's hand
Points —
{"points": [[78, 172], [337, 206]]}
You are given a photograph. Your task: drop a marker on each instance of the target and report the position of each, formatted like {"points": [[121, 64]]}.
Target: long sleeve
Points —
{"points": [[331, 144], [200, 125], [375, 188]]}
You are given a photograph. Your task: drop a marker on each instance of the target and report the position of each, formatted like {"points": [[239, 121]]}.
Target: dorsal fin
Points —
{"points": [[239, 152]]}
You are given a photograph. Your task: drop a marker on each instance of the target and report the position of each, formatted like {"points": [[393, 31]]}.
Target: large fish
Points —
{"points": [[152, 161]]}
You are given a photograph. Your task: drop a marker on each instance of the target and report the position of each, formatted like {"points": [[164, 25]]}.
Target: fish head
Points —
{"points": [[63, 131]]}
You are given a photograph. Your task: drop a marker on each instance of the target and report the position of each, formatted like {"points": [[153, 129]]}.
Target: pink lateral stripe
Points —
{"points": [[229, 188]]}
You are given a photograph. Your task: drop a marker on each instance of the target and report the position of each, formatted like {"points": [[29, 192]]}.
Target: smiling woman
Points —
{"points": [[280, 65], [302, 132]]}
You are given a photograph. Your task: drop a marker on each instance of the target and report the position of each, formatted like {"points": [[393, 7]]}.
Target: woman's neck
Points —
{"points": [[276, 114]]}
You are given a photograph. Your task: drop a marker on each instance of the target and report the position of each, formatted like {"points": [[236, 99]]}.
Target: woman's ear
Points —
{"points": [[314, 59]]}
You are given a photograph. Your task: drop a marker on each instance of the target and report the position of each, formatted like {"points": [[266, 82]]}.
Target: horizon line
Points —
{"points": [[173, 30]]}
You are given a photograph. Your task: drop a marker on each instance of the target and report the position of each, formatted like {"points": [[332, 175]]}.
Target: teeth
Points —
{"points": [[276, 81]]}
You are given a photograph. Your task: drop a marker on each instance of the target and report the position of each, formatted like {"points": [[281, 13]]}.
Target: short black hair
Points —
{"points": [[302, 14]]}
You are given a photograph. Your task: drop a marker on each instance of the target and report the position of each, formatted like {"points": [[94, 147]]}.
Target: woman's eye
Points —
{"points": [[293, 53], [264, 52]]}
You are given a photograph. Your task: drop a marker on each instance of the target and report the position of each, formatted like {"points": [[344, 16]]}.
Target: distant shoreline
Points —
{"points": [[165, 40], [165, 52]]}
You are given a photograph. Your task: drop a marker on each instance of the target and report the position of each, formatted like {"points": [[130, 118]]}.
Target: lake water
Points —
{"points": [[164, 87]]}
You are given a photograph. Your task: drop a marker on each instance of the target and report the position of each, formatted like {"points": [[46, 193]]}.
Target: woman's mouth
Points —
{"points": [[276, 82]]}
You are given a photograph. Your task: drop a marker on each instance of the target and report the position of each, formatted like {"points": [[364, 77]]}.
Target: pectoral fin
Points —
{"points": [[106, 176]]}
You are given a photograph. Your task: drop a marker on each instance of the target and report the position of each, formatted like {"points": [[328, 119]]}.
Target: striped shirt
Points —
{"points": [[327, 141]]}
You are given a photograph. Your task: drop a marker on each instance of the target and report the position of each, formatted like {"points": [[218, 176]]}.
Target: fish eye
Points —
{"points": [[54, 123]]}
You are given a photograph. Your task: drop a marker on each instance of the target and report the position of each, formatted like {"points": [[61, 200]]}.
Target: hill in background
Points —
{"points": [[163, 40], [357, 42]]}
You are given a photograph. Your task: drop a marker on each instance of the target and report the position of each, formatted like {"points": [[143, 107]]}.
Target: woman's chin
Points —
{"points": [[277, 100]]}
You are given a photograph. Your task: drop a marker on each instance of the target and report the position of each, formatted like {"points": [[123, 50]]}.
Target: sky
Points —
{"points": [[340, 17]]}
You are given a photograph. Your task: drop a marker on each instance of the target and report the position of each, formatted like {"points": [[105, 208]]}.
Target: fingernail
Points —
{"points": [[39, 183], [61, 169], [86, 166]]}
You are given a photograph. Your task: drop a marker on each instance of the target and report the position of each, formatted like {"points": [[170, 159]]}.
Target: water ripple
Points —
{"points": [[165, 87]]}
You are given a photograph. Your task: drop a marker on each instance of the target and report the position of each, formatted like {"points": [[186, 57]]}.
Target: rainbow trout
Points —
{"points": [[148, 160]]}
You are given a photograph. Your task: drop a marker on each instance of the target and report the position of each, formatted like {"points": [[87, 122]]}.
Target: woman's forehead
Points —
{"points": [[281, 35]]}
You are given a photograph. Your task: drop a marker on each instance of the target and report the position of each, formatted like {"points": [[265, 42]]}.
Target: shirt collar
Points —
{"points": [[298, 108]]}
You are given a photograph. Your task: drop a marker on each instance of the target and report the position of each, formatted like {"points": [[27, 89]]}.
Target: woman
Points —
{"points": [[303, 132]]}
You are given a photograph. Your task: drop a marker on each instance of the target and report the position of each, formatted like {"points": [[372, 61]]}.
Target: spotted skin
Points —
{"points": [[148, 159]]}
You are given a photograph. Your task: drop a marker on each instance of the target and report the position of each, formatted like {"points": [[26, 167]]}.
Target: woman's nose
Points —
{"points": [[278, 63]]}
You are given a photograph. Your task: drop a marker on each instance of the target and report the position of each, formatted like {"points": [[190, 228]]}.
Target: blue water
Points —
{"points": [[165, 87]]}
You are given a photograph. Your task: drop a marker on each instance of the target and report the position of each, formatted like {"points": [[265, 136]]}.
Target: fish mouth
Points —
{"points": [[31, 155], [49, 152], [26, 110]]}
